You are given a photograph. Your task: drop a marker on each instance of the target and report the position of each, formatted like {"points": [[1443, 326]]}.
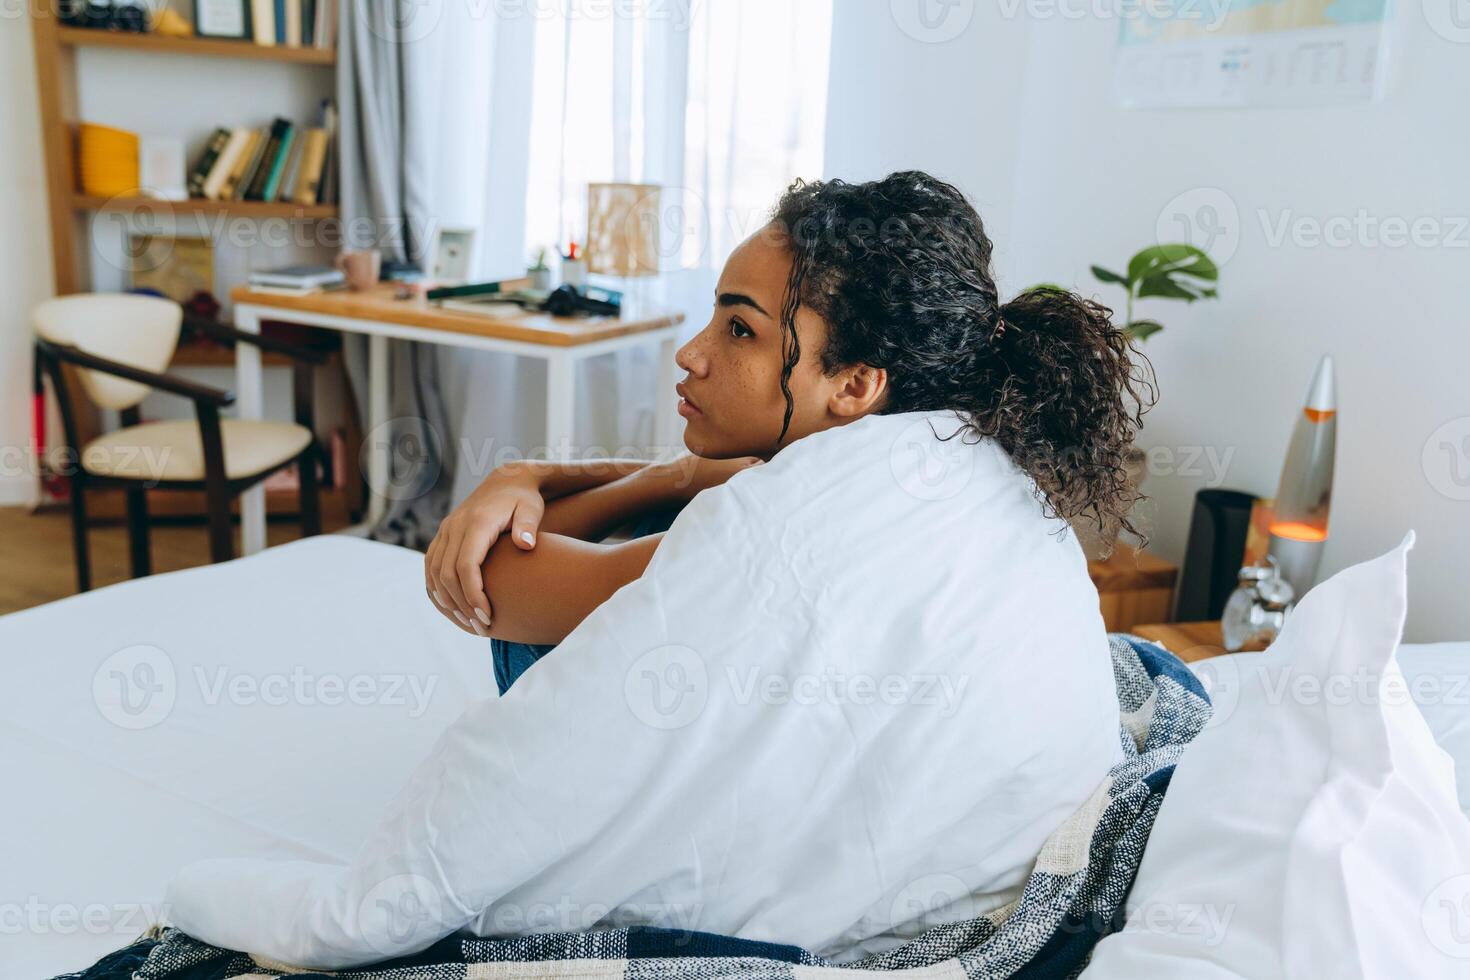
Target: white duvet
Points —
{"points": [[854, 691]]}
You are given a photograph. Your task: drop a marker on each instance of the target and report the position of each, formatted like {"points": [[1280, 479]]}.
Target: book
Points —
{"points": [[263, 22], [239, 138], [292, 290], [212, 148], [287, 187], [297, 276], [249, 154], [293, 22], [308, 23], [309, 182], [327, 193], [325, 35], [273, 179], [279, 128]]}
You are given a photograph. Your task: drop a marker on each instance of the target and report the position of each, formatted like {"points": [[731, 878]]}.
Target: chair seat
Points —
{"points": [[174, 450]]}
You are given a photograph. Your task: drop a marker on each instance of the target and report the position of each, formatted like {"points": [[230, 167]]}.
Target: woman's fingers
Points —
{"points": [[449, 579], [473, 548], [527, 522]]}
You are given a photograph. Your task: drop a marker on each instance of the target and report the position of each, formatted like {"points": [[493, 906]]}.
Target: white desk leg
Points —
{"points": [[665, 402], [380, 441], [250, 404], [560, 376]]}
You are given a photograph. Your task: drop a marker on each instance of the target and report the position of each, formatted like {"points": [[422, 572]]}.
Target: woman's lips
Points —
{"points": [[687, 408]]}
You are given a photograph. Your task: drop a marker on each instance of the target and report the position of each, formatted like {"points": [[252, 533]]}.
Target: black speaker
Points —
{"points": [[1216, 550]]}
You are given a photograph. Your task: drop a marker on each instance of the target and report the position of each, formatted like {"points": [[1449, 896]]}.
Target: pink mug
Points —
{"points": [[361, 267]]}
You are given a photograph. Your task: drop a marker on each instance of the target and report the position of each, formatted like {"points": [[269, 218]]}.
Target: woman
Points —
{"points": [[847, 699], [854, 299]]}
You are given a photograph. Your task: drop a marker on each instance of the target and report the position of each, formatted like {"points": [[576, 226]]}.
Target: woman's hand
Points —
{"points": [[509, 500]]}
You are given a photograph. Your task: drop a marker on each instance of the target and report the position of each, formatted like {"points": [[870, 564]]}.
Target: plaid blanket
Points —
{"points": [[1072, 899]]}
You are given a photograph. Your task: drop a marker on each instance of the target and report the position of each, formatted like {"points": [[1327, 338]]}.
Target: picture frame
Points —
{"points": [[450, 255], [224, 19]]}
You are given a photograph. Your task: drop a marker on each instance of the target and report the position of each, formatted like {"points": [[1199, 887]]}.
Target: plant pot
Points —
{"points": [[1095, 545]]}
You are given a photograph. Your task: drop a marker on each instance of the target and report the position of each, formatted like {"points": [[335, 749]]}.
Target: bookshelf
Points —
{"points": [[57, 48], [207, 46]]}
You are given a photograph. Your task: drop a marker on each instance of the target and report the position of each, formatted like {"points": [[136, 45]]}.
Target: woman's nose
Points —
{"points": [[691, 359]]}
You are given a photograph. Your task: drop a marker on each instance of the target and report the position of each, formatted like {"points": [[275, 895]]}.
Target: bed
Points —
{"points": [[267, 706], [264, 707]]}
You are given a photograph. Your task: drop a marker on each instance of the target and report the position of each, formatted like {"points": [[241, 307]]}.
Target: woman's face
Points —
{"points": [[731, 397]]}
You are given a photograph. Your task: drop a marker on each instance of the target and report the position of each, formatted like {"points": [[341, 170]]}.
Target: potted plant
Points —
{"points": [[1176, 271]]}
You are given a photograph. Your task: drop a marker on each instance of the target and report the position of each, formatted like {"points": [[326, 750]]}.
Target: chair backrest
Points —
{"points": [[137, 330]]}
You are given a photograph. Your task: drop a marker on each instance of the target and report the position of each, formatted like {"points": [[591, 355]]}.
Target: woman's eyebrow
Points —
{"points": [[740, 299]]}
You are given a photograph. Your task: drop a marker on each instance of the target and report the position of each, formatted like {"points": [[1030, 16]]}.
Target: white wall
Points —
{"points": [[1017, 112], [25, 253]]}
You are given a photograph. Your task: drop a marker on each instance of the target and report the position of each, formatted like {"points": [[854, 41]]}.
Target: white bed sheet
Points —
{"points": [[260, 752], [98, 817]]}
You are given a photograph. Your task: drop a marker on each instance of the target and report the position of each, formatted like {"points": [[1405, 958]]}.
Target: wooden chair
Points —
{"points": [[121, 343]]}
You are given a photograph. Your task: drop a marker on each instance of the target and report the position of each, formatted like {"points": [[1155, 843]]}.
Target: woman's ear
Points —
{"points": [[860, 390]]}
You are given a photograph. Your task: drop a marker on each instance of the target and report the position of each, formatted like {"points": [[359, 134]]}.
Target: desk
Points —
{"points": [[559, 341]]}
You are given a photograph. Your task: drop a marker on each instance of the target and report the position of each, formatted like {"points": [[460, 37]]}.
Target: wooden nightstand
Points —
{"points": [[1133, 588], [1187, 641]]}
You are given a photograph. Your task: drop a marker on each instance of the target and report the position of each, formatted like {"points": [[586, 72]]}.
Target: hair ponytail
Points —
{"points": [[899, 268], [1060, 392]]}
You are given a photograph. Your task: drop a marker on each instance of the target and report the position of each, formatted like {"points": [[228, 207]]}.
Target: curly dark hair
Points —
{"points": [[900, 270]]}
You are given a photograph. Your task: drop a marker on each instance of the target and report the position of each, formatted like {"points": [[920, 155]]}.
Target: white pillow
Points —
{"points": [[1312, 830], [1438, 675]]}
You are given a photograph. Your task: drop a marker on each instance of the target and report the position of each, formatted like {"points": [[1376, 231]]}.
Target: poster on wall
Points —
{"points": [[1224, 53]]}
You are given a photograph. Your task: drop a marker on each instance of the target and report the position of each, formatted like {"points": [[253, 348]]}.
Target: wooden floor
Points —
{"points": [[36, 563]]}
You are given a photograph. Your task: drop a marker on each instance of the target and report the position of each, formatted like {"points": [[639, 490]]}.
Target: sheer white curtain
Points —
{"points": [[721, 104]]}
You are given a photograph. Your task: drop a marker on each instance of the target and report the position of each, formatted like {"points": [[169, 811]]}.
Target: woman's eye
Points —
{"points": [[738, 329]]}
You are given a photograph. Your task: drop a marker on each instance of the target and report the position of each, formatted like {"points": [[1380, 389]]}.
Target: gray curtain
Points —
{"points": [[385, 67]]}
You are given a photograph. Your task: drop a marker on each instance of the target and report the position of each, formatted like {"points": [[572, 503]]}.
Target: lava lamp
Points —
{"points": [[1299, 515]]}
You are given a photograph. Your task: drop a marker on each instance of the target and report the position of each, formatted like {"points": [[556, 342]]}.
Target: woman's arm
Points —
{"points": [[595, 511], [587, 499], [541, 595]]}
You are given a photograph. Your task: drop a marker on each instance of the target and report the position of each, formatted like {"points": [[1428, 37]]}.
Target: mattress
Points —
{"points": [[268, 706]]}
